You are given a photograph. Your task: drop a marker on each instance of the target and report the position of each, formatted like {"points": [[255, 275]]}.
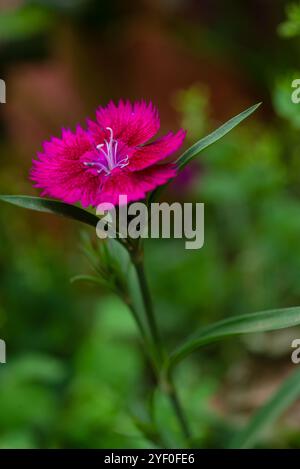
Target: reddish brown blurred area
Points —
{"points": [[147, 52]]}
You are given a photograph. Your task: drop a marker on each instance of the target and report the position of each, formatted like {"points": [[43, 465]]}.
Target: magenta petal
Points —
{"points": [[135, 185], [154, 152], [133, 124], [59, 170]]}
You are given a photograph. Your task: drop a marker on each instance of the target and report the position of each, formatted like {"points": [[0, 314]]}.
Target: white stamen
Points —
{"points": [[124, 162], [111, 132], [110, 153]]}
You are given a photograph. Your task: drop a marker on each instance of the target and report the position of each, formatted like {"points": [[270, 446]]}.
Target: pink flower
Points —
{"points": [[109, 159]]}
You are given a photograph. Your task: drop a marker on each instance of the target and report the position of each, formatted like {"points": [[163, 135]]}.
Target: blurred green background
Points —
{"points": [[76, 376]]}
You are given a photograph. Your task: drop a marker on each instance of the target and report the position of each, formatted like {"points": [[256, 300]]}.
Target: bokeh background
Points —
{"points": [[76, 376]]}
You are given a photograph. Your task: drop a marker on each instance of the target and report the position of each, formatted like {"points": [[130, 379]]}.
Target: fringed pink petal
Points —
{"points": [[154, 152], [133, 124]]}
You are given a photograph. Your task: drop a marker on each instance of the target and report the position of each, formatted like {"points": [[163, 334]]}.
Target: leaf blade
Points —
{"points": [[214, 136], [266, 415], [264, 321], [88, 279], [55, 207]]}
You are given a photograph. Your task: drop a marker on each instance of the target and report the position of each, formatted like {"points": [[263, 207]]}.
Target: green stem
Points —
{"points": [[136, 317], [178, 409], [168, 385], [147, 300]]}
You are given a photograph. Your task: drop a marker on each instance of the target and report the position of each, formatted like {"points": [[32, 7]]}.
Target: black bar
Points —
{"points": [[139, 458]]}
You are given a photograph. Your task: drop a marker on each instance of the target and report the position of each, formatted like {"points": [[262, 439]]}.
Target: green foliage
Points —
{"points": [[216, 135], [291, 27], [52, 206], [283, 104], [23, 23], [249, 183], [268, 413], [246, 324], [193, 104]]}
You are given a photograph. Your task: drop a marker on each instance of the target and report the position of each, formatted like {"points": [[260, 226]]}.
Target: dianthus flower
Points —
{"points": [[109, 159]]}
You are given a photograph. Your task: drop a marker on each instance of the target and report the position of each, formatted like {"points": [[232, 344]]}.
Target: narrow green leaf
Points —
{"points": [[195, 149], [248, 323], [205, 142], [271, 411], [89, 279], [52, 206]]}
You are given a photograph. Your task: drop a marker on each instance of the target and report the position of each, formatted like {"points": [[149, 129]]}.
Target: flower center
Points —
{"points": [[108, 156]]}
